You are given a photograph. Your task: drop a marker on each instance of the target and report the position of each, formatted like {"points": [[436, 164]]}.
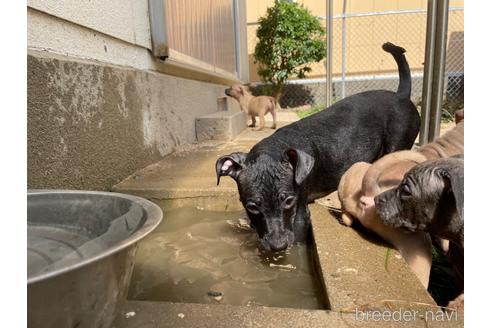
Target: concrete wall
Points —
{"points": [[91, 125], [100, 106]]}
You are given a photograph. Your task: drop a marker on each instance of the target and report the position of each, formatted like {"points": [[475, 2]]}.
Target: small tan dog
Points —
{"points": [[363, 181], [254, 106]]}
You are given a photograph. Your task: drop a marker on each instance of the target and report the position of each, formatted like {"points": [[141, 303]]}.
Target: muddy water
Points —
{"points": [[200, 256]]}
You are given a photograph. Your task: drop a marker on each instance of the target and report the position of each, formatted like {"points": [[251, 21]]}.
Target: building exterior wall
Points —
{"points": [[100, 106], [126, 20]]}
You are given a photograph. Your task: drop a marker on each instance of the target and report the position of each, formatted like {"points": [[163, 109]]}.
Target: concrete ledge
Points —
{"points": [[223, 125], [133, 314], [353, 267], [189, 173]]}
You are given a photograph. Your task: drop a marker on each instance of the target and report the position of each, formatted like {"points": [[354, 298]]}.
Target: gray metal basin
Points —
{"points": [[80, 253]]}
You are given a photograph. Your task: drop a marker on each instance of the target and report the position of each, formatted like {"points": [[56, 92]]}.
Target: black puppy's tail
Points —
{"points": [[405, 86]]}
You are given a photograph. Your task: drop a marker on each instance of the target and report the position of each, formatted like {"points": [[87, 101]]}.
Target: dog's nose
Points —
{"points": [[378, 201], [278, 242], [278, 245]]}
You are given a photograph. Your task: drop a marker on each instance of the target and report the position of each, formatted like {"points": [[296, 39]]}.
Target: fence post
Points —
{"points": [[344, 46], [433, 82], [439, 68], [329, 50], [428, 67]]}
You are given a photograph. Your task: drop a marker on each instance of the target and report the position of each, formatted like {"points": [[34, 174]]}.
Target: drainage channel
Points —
{"points": [[211, 257]]}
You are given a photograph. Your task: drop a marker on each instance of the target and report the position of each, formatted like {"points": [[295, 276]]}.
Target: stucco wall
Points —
{"points": [[91, 124]]}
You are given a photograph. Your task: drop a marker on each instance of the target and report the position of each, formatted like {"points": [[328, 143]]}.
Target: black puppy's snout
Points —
{"points": [[278, 245], [278, 239]]}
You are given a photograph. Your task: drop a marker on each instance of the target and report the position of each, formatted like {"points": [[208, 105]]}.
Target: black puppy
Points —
{"points": [[429, 198], [306, 159]]}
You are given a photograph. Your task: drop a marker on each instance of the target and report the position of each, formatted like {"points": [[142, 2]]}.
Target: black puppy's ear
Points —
{"points": [[230, 165], [456, 183], [301, 162]]}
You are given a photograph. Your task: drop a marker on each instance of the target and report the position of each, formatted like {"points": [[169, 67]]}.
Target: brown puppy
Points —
{"points": [[459, 115], [362, 182], [254, 106]]}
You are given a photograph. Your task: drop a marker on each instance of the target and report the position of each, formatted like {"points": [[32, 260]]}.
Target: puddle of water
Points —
{"points": [[197, 256]]}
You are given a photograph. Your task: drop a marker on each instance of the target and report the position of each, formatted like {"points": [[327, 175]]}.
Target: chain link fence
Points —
{"points": [[455, 67], [359, 63]]}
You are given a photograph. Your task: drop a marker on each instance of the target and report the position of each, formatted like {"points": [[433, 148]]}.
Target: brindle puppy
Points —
{"points": [[431, 198]]}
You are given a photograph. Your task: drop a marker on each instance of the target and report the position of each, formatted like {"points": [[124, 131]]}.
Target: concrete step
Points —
{"points": [[223, 125], [231, 124], [187, 177]]}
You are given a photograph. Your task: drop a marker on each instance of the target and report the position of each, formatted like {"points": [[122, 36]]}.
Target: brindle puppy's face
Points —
{"points": [[270, 193], [426, 199], [409, 206]]}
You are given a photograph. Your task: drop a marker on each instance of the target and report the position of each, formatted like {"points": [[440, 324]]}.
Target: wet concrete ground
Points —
{"points": [[351, 263]]}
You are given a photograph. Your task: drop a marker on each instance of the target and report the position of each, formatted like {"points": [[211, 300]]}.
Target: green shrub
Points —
{"points": [[289, 39], [310, 111]]}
